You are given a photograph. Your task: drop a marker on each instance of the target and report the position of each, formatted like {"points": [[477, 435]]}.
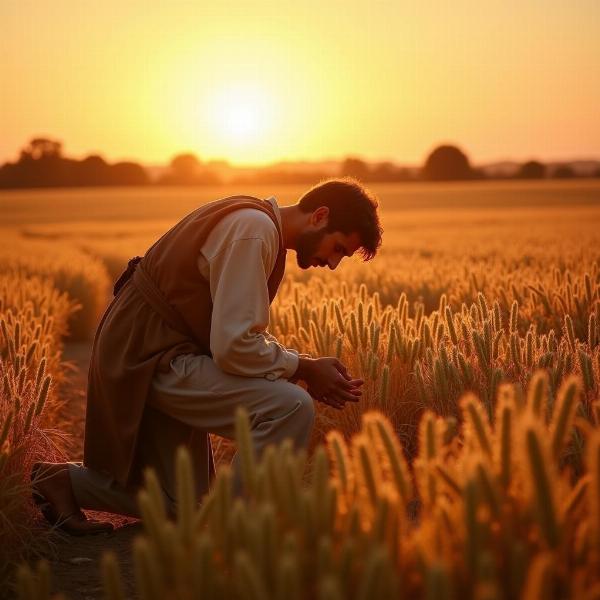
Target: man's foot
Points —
{"points": [[53, 493]]}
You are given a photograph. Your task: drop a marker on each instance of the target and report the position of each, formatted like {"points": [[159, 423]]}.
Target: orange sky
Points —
{"points": [[259, 81]]}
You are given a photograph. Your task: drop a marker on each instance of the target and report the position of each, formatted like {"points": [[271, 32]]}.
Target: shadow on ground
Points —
{"points": [[76, 561]]}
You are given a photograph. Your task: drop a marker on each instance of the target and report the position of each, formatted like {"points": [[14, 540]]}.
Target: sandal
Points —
{"points": [[75, 523]]}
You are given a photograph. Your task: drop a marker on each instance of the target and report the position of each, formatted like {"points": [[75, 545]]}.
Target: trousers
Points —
{"points": [[196, 393]]}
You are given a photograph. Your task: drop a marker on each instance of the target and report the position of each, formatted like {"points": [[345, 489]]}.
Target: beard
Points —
{"points": [[306, 247]]}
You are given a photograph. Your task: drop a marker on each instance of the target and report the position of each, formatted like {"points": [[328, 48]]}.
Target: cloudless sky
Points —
{"points": [[259, 81]]}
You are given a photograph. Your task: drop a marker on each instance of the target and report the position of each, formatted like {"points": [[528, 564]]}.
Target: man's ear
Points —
{"points": [[320, 216]]}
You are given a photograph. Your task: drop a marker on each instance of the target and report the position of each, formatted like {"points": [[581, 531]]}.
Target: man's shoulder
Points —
{"points": [[249, 223]]}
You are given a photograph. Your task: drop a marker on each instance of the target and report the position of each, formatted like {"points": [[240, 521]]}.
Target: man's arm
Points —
{"points": [[271, 338], [238, 283], [241, 257]]}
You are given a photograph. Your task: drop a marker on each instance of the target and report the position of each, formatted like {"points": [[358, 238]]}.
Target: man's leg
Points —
{"points": [[196, 392], [97, 491], [158, 440], [69, 487], [53, 491]]}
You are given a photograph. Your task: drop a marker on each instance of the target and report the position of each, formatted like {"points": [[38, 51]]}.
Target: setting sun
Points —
{"points": [[239, 114], [238, 119]]}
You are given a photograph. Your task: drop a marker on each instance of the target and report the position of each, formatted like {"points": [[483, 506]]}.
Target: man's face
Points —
{"points": [[321, 248]]}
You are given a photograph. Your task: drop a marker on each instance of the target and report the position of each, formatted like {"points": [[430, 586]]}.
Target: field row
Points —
{"points": [[468, 469]]}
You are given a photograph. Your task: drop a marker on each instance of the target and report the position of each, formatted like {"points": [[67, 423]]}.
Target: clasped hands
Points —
{"points": [[328, 381]]}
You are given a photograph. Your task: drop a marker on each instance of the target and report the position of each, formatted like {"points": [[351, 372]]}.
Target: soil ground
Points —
{"points": [[75, 561]]}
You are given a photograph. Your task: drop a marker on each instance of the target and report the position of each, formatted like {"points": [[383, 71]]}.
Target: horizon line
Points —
{"points": [[329, 159]]}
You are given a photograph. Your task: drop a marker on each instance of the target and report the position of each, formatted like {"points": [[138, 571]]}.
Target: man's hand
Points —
{"points": [[328, 380]]}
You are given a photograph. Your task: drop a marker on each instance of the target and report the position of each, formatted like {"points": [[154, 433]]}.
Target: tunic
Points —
{"points": [[163, 310], [237, 259]]}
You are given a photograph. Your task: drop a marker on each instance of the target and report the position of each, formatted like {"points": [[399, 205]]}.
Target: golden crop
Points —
{"points": [[82, 277], [471, 465], [486, 511], [33, 318]]}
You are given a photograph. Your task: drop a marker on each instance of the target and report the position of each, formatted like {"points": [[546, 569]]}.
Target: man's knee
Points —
{"points": [[290, 403], [305, 406]]}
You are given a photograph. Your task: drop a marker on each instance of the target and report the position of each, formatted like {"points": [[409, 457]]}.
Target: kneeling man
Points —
{"points": [[185, 342]]}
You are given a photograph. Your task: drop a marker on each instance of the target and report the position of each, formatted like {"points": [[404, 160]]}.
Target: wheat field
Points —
{"points": [[470, 467]]}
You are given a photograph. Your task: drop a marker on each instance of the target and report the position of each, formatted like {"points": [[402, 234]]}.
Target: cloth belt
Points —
{"points": [[152, 295]]}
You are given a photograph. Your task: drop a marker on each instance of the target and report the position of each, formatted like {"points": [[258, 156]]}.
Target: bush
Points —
{"points": [[33, 316]]}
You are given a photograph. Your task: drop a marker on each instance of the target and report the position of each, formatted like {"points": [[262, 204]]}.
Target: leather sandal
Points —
{"points": [[75, 523]]}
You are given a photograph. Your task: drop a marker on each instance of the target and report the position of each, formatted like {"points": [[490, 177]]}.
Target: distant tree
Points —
{"points": [[6, 175], [41, 164], [185, 167], [447, 163], [564, 172], [355, 167], [92, 170], [384, 171], [41, 148], [532, 170], [127, 173]]}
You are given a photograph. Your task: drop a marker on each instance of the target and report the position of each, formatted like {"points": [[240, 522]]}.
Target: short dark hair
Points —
{"points": [[352, 209]]}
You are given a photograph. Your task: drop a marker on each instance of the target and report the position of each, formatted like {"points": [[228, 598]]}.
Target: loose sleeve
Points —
{"points": [[239, 341], [271, 338]]}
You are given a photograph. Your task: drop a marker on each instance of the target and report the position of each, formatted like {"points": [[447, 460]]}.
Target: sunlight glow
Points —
{"points": [[261, 82], [240, 114]]}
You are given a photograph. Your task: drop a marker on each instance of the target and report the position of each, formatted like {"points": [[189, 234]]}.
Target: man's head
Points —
{"points": [[342, 219]]}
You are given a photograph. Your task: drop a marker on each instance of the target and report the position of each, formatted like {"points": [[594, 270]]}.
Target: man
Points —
{"points": [[185, 342]]}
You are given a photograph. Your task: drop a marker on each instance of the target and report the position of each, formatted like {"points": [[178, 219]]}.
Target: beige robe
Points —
{"points": [[164, 310], [236, 259]]}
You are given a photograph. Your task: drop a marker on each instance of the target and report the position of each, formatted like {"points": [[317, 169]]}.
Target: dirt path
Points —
{"points": [[75, 561]]}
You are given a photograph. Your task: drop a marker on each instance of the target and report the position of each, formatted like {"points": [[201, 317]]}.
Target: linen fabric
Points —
{"points": [[163, 311]]}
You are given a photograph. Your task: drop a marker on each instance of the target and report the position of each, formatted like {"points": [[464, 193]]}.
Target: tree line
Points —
{"points": [[41, 164]]}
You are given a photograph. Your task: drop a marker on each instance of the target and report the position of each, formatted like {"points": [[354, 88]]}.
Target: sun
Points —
{"points": [[241, 122], [234, 118], [240, 114]]}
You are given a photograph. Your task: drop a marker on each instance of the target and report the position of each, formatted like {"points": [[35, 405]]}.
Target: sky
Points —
{"points": [[259, 81]]}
